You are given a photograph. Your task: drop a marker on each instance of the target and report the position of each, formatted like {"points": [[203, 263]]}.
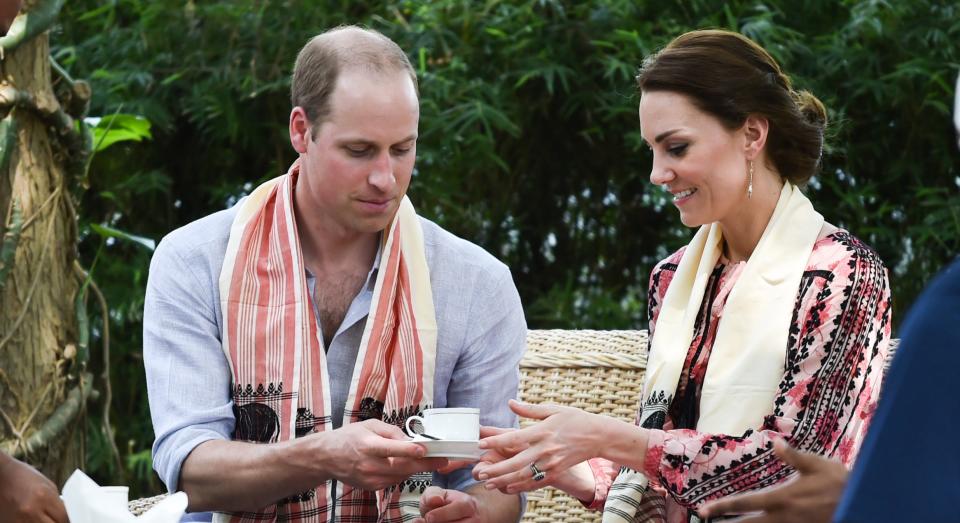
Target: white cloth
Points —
{"points": [[87, 502]]}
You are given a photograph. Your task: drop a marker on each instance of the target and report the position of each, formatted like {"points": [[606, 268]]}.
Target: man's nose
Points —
{"points": [[381, 172]]}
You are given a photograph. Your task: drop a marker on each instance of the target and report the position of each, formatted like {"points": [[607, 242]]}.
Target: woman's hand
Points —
{"points": [[558, 445]]}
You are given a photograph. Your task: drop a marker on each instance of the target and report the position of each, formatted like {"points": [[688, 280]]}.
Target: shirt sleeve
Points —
{"points": [[188, 378], [487, 373], [838, 343]]}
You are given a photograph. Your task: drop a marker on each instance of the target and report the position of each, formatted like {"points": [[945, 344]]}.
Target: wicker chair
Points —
{"points": [[597, 371], [138, 506]]}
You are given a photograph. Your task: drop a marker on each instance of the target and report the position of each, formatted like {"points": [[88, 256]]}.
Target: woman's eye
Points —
{"points": [[677, 150]]}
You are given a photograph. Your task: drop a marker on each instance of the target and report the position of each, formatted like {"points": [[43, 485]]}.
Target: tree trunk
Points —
{"points": [[38, 326]]}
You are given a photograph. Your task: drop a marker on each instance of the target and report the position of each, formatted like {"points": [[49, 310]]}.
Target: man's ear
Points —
{"points": [[300, 130], [755, 130]]}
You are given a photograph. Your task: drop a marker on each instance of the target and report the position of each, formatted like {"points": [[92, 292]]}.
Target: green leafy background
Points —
{"points": [[530, 141]]}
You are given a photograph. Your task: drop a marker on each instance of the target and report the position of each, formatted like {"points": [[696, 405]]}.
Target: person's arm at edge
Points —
{"points": [[27, 495]]}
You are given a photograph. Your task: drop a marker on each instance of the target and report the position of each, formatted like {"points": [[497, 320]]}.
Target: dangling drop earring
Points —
{"points": [[750, 185]]}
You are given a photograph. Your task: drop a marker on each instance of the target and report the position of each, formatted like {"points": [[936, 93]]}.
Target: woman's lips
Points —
{"points": [[681, 197]]}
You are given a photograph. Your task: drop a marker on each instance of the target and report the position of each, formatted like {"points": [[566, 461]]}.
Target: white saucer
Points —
{"points": [[450, 448]]}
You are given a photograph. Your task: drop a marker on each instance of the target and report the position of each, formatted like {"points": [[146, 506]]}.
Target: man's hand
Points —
{"points": [[369, 455], [372, 455], [26, 496], [438, 505], [810, 497]]}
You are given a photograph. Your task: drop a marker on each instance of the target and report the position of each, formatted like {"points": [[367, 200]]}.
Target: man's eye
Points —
{"points": [[358, 151], [400, 151]]}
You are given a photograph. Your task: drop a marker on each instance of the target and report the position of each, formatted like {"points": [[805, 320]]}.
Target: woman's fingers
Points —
{"points": [[513, 441], [510, 470], [492, 456], [532, 411], [508, 440], [524, 486], [498, 452], [489, 458], [512, 482], [486, 432]]}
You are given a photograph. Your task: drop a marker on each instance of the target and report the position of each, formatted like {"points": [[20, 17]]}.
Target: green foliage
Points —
{"points": [[529, 143], [119, 128], [110, 232]]}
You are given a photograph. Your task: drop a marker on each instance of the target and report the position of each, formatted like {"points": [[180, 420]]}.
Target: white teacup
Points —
{"points": [[459, 424]]}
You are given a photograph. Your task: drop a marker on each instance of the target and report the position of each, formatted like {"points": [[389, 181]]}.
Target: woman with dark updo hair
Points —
{"points": [[770, 324]]}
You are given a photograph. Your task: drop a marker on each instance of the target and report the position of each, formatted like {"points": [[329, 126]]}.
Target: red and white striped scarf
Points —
{"points": [[281, 388]]}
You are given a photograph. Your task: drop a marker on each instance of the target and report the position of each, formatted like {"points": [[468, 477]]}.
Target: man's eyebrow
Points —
{"points": [[364, 141], [662, 136]]}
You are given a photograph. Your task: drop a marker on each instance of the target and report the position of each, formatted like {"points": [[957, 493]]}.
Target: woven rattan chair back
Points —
{"points": [[597, 371]]}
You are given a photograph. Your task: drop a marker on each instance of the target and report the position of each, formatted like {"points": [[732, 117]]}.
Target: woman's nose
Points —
{"points": [[661, 175]]}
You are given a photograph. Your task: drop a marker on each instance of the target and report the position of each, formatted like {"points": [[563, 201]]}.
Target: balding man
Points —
{"points": [[287, 338]]}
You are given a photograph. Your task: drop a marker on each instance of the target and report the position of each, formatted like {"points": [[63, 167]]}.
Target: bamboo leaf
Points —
{"points": [[118, 128], [109, 232]]}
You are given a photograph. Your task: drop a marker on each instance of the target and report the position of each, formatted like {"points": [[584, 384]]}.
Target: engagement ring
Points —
{"points": [[538, 475]]}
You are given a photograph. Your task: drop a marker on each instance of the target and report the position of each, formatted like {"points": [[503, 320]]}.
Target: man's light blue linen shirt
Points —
{"points": [[481, 338]]}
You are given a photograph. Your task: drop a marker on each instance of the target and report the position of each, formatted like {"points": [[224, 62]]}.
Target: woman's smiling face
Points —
{"points": [[699, 161]]}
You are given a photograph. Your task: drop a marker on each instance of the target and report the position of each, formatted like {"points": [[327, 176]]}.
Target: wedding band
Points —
{"points": [[538, 475]]}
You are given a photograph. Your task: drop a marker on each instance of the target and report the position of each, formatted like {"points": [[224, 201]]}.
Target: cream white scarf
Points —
{"points": [[749, 352]]}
